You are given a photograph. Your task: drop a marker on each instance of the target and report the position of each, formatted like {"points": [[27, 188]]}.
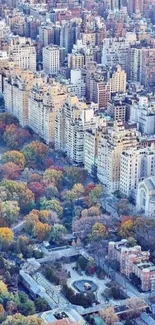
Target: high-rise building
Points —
{"points": [[51, 59], [118, 80], [44, 103], [136, 164], [111, 146], [67, 36], [16, 92], [115, 51], [75, 60], [71, 122], [116, 108]]}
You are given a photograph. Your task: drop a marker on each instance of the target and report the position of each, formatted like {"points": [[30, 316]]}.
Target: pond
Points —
{"points": [[85, 286]]}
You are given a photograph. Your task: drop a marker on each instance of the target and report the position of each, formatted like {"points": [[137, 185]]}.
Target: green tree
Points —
{"points": [[41, 305], [9, 212], [34, 153], [75, 175], [57, 233], [95, 195], [51, 191], [51, 205]]}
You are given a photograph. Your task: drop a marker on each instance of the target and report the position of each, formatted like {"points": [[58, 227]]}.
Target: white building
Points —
{"points": [[16, 92], [112, 144], [43, 104], [51, 59], [146, 196], [136, 164], [143, 113], [77, 86], [115, 51], [22, 52], [71, 122]]}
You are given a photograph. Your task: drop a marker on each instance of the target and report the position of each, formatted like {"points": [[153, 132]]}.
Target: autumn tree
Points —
{"points": [[41, 231], [15, 157], [9, 212], [19, 192], [6, 235], [78, 189], [15, 136], [109, 316], [126, 229], [3, 289], [99, 231], [52, 176], [135, 306], [34, 153], [10, 171], [88, 188], [19, 319], [34, 177], [37, 188], [95, 195]]}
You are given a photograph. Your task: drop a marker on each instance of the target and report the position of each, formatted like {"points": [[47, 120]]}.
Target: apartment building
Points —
{"points": [[116, 108], [16, 92], [143, 113], [135, 165], [51, 59], [23, 53], [133, 260], [115, 51], [70, 124], [98, 87], [117, 139], [76, 60], [44, 103]]}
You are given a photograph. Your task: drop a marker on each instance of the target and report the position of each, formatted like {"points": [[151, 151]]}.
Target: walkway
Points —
{"points": [[52, 290]]}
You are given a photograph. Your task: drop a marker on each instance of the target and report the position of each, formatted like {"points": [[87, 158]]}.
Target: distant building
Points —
{"points": [[22, 52]]}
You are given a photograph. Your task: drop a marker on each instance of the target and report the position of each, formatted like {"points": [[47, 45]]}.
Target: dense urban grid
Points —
{"points": [[77, 162]]}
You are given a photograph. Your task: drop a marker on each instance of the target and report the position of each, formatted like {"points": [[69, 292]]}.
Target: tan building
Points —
{"points": [[75, 60], [118, 81]]}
